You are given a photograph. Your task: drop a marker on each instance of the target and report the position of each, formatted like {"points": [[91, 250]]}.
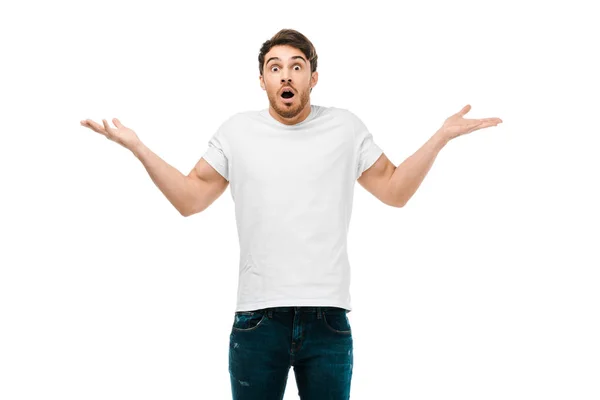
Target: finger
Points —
{"points": [[107, 128], [493, 120], [464, 110], [491, 123], [486, 125], [117, 123], [94, 126], [475, 126]]}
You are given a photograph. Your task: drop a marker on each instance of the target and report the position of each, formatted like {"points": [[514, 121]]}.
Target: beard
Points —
{"points": [[292, 109]]}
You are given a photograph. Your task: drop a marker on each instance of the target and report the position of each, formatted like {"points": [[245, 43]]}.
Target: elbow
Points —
{"points": [[403, 202], [395, 203], [186, 211], [395, 197], [399, 203], [394, 200], [189, 211]]}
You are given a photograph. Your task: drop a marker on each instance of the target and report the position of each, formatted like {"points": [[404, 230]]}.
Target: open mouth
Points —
{"points": [[287, 94]]}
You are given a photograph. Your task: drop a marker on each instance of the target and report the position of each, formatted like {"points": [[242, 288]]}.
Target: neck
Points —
{"points": [[294, 120]]}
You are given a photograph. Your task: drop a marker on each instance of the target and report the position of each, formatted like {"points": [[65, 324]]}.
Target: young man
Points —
{"points": [[292, 169]]}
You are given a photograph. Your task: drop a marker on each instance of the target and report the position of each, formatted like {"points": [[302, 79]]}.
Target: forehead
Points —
{"points": [[284, 53]]}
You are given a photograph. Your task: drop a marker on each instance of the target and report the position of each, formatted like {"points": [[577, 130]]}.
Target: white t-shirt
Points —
{"points": [[293, 188]]}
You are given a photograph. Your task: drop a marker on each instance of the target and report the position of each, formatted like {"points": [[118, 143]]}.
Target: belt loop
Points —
{"points": [[318, 312], [270, 313]]}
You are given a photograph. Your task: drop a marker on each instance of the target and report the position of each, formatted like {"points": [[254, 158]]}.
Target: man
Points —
{"points": [[292, 169]]}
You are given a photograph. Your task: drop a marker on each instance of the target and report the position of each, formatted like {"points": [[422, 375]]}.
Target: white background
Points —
{"points": [[485, 286]]}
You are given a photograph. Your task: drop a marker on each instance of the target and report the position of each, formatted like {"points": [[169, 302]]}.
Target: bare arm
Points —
{"points": [[393, 185], [189, 194], [409, 175], [396, 185], [212, 185]]}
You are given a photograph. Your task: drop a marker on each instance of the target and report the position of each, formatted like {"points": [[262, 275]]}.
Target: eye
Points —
{"points": [[297, 65]]}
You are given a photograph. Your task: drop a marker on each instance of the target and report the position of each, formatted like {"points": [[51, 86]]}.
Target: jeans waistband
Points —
{"points": [[296, 309]]}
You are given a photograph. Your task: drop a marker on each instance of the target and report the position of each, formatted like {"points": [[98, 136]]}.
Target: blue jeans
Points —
{"points": [[265, 343]]}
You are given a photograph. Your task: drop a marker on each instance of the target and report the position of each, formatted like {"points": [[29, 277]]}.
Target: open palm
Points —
{"points": [[121, 134], [456, 125]]}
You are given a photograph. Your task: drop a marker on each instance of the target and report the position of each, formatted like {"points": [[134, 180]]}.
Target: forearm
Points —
{"points": [[176, 187], [408, 176]]}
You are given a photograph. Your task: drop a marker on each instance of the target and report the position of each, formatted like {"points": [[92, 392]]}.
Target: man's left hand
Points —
{"points": [[456, 125]]}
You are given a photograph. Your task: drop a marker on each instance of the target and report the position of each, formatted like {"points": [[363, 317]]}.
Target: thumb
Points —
{"points": [[117, 123], [464, 110]]}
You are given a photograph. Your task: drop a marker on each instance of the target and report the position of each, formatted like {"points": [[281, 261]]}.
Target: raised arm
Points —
{"points": [[189, 194], [396, 185]]}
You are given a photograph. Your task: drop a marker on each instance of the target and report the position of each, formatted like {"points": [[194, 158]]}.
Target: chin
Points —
{"points": [[286, 111]]}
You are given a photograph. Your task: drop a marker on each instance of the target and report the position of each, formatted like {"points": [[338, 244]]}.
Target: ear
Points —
{"points": [[314, 79], [262, 82]]}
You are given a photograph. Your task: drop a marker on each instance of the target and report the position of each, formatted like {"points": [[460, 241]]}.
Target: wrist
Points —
{"points": [[138, 149], [441, 138]]}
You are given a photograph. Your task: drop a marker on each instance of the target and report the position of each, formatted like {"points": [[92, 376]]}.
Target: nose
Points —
{"points": [[285, 75]]}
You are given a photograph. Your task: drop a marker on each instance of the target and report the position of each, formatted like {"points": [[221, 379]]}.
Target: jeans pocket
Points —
{"points": [[337, 322], [247, 320]]}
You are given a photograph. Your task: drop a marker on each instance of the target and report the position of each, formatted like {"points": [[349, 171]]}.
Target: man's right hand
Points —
{"points": [[189, 194], [121, 134]]}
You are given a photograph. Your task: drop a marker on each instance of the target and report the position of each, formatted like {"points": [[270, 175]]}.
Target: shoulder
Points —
{"points": [[347, 116], [351, 121], [244, 120], [234, 120], [343, 117], [231, 125], [342, 113]]}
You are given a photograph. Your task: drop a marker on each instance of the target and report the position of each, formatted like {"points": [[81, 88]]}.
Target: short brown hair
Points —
{"points": [[292, 38]]}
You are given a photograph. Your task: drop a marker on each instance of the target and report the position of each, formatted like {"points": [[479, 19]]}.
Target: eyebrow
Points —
{"points": [[292, 58]]}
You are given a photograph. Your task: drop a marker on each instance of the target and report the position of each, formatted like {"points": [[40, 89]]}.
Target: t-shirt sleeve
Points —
{"points": [[216, 153], [367, 150]]}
